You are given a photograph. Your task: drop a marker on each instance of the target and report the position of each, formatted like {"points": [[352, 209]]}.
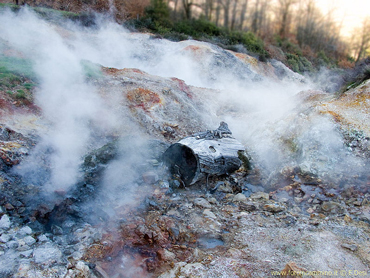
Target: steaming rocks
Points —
{"points": [[125, 216]]}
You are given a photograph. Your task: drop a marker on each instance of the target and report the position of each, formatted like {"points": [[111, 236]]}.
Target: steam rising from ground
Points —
{"points": [[262, 114]]}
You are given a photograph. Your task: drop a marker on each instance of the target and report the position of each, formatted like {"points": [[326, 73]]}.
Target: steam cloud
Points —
{"points": [[262, 114]]}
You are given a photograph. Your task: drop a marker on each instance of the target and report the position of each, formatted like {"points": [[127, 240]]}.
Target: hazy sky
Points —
{"points": [[350, 12]]}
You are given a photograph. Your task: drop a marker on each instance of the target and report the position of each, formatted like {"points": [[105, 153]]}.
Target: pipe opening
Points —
{"points": [[182, 162]]}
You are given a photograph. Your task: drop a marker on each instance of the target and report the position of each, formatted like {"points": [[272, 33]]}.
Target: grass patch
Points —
{"points": [[13, 7], [28, 86]]}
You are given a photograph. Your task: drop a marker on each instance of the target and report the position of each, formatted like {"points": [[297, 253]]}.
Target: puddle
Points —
{"points": [[209, 243]]}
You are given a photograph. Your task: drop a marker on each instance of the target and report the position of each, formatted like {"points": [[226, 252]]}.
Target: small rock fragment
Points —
{"points": [[273, 207], [201, 202], [352, 247], [260, 195], [208, 213], [225, 188], [240, 197], [247, 206], [47, 254], [166, 255], [331, 206], [5, 222], [310, 210]]}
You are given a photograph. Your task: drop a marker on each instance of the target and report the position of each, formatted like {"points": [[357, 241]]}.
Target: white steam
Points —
{"points": [[66, 100]]}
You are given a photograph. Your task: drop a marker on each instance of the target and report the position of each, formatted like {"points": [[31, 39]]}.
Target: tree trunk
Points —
{"points": [[233, 17], [208, 9], [187, 8], [226, 6], [218, 10], [242, 14]]}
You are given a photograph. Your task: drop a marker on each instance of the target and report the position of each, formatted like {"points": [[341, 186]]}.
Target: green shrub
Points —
{"points": [[322, 59], [288, 46], [158, 12], [197, 28], [20, 94], [292, 61], [175, 36], [247, 39], [299, 63]]}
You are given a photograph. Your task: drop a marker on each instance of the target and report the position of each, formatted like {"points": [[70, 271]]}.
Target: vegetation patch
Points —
{"points": [[20, 94], [13, 67], [299, 63]]}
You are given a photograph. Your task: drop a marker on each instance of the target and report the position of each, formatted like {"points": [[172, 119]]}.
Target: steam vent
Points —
{"points": [[212, 152]]}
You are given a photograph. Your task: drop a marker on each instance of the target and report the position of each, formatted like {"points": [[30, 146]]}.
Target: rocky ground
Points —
{"points": [[228, 228]]}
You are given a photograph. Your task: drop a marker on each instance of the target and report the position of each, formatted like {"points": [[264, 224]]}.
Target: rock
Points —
{"points": [[150, 177], [26, 254], [4, 238], [56, 230], [208, 213], [201, 202], [47, 254], [223, 187], [310, 210], [234, 253], [352, 247], [194, 270], [347, 218], [25, 243], [174, 272], [12, 244], [43, 238], [247, 206], [274, 207], [332, 207], [22, 232], [260, 195], [212, 200], [166, 255], [240, 197], [5, 222]]}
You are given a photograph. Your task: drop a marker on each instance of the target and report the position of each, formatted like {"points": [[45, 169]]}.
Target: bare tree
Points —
{"points": [[187, 4], [255, 16], [208, 9], [259, 16], [284, 16], [361, 40]]}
